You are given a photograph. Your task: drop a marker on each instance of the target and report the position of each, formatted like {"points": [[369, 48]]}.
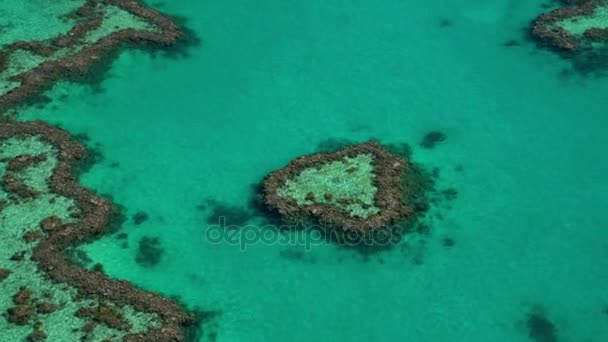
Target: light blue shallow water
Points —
{"points": [[272, 79]]}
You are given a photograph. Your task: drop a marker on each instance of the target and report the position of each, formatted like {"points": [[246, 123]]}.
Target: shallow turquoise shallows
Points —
{"points": [[525, 149]]}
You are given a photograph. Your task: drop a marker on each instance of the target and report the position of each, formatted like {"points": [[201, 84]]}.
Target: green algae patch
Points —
{"points": [[358, 188], [347, 184], [43, 296]]}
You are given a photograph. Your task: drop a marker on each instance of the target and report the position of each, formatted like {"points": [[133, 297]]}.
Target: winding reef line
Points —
{"points": [[93, 222], [76, 65], [70, 57]]}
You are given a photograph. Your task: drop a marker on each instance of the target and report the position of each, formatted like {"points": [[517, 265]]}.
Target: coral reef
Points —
{"points": [[101, 26], [412, 190], [62, 216], [578, 26], [358, 188]]}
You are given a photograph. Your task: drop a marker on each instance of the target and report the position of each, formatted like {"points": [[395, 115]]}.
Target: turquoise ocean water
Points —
{"points": [[525, 149]]}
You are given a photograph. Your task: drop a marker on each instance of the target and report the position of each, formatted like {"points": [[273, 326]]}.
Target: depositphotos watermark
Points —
{"points": [[298, 233]]}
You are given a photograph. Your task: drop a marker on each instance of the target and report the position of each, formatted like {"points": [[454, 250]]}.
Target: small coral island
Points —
{"points": [[44, 212], [582, 24], [359, 189]]}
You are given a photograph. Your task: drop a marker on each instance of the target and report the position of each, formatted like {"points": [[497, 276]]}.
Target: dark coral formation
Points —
{"points": [[24, 161], [20, 314], [50, 223], [19, 256], [45, 308], [37, 336], [4, 273], [23, 296], [140, 217], [511, 43], [104, 314], [545, 30], [597, 34], [32, 236], [387, 168], [541, 329], [94, 219], [431, 139], [76, 66], [150, 252], [16, 187], [448, 242]]}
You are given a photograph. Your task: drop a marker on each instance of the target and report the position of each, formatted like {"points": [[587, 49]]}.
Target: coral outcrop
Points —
{"points": [[358, 188]]}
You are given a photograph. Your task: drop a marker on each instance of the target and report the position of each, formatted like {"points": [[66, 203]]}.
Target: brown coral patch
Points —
{"points": [[50, 223], [32, 236], [45, 308], [106, 315], [24, 161], [17, 187], [20, 314], [36, 336], [4, 273], [22, 297], [597, 34]]}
